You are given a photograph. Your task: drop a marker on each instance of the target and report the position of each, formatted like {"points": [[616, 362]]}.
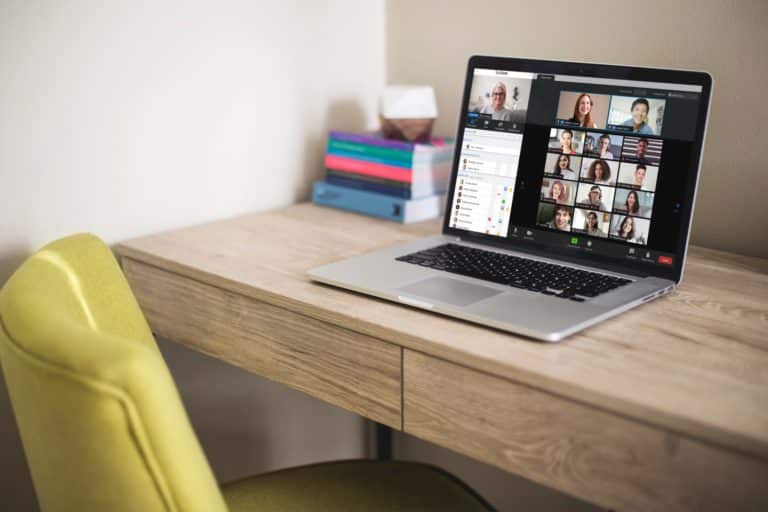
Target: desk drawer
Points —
{"points": [[350, 370], [615, 462]]}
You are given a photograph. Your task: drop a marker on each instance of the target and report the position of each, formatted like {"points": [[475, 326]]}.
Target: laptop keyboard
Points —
{"points": [[536, 276]]}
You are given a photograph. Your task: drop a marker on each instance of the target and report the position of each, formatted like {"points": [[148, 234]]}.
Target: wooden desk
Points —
{"points": [[664, 408]]}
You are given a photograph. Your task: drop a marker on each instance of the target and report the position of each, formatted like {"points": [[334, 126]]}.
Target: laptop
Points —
{"points": [[570, 199]]}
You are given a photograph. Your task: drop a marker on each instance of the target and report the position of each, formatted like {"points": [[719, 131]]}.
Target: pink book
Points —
{"points": [[369, 168]]}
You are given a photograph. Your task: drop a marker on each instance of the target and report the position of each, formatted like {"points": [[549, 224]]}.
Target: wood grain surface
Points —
{"points": [[339, 366], [694, 363], [598, 456]]}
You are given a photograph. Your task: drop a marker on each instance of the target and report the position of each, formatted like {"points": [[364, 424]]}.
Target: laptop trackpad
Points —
{"points": [[450, 291]]}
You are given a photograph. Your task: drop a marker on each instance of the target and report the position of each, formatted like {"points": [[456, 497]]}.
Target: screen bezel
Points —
{"points": [[673, 272]]}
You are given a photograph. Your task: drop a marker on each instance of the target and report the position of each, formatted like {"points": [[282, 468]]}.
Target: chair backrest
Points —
{"points": [[100, 418]]}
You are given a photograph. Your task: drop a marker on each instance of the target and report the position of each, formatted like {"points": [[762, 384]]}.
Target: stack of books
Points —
{"points": [[396, 180]]}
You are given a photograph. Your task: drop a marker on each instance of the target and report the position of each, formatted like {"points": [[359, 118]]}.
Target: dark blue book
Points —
{"points": [[368, 186]]}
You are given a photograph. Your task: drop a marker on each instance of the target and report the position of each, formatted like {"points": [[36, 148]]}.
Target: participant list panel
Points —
{"points": [[485, 183]]}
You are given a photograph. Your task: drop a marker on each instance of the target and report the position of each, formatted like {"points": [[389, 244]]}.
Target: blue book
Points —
{"points": [[377, 205]]}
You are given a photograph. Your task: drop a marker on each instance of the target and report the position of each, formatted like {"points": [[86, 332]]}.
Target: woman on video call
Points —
{"points": [[632, 203], [558, 192], [566, 142], [599, 172], [582, 111], [563, 168], [592, 224], [603, 149], [626, 230], [497, 108]]}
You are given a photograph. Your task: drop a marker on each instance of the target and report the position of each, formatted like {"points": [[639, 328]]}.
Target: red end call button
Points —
{"points": [[665, 260]]}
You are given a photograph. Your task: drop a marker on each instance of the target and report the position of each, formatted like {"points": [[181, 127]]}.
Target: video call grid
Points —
{"points": [[608, 139], [605, 215]]}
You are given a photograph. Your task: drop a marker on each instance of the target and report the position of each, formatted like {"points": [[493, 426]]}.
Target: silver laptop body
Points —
{"points": [[651, 260]]}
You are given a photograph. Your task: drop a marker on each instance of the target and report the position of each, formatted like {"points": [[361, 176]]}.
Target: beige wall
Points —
{"points": [[429, 42]]}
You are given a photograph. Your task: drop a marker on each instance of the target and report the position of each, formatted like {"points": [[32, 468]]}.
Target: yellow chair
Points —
{"points": [[103, 426]]}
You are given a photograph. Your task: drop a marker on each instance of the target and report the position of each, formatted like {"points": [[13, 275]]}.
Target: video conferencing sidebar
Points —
{"points": [[587, 164]]}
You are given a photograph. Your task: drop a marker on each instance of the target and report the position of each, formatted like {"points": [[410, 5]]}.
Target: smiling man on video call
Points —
{"points": [[639, 117]]}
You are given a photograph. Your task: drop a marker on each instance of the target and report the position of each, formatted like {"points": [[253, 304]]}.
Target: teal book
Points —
{"points": [[373, 148], [385, 206], [376, 154]]}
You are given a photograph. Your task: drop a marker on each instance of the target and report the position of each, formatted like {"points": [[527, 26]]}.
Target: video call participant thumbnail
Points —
{"points": [[558, 191], [642, 150], [629, 229], [497, 108], [638, 176], [599, 171], [598, 197], [583, 109], [556, 217], [562, 166], [591, 222], [638, 115], [501, 98], [603, 145], [633, 202], [565, 140]]}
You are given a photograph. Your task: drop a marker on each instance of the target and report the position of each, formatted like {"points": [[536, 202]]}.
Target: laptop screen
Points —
{"points": [[587, 164]]}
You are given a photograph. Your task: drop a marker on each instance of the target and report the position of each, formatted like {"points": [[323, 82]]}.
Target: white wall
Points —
{"points": [[129, 117], [125, 117]]}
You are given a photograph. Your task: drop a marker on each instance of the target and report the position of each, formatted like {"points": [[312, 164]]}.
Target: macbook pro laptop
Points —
{"points": [[570, 199]]}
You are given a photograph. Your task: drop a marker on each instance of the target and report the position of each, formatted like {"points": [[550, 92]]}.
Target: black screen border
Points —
{"points": [[535, 66]]}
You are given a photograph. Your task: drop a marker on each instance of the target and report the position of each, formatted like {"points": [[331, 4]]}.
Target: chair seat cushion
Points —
{"points": [[358, 485]]}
